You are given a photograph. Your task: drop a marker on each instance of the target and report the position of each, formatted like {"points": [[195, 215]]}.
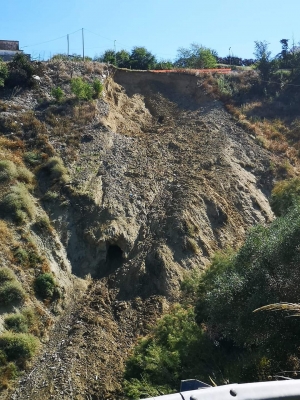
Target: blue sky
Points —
{"points": [[160, 25]]}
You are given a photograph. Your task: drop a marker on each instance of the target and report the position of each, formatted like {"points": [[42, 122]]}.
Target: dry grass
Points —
{"points": [[272, 134], [7, 240]]}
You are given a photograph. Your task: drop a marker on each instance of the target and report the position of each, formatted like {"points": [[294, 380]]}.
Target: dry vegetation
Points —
{"points": [[264, 116]]}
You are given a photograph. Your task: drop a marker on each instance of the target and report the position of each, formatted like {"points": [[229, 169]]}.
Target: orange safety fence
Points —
{"points": [[194, 71]]}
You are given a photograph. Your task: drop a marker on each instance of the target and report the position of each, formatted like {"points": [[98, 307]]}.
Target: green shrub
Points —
{"points": [[264, 271], [43, 224], [21, 255], [30, 317], [57, 93], [8, 170], [7, 373], [16, 323], [81, 89], [3, 359], [284, 195], [3, 72], [21, 70], [18, 346], [18, 201], [27, 258], [25, 175], [175, 348], [11, 292], [50, 196], [57, 169], [32, 158], [45, 286], [98, 88], [6, 275]]}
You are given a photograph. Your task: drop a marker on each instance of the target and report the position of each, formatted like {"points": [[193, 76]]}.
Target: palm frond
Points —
{"points": [[294, 307]]}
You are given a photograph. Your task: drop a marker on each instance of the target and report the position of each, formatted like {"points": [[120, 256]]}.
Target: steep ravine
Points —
{"points": [[163, 177]]}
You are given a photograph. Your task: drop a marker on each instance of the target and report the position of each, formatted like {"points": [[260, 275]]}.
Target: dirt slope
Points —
{"points": [[162, 178]]}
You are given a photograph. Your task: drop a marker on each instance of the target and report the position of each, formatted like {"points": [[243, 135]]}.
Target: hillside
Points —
{"points": [[129, 193]]}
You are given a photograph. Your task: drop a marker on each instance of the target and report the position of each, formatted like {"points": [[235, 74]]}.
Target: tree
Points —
{"points": [[164, 64], [123, 59], [263, 59], [108, 57], [141, 58], [284, 51], [196, 56], [21, 70]]}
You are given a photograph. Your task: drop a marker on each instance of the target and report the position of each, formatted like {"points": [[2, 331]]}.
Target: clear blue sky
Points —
{"points": [[160, 25]]}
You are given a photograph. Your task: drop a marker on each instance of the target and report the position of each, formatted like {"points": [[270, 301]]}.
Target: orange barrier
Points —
{"points": [[193, 71]]}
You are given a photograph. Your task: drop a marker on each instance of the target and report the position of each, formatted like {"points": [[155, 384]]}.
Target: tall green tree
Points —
{"points": [[123, 59], [196, 56], [141, 58], [264, 63], [107, 57]]}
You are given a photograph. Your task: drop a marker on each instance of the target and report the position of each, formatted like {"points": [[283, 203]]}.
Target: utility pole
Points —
{"points": [[115, 53], [82, 45], [68, 44], [229, 57]]}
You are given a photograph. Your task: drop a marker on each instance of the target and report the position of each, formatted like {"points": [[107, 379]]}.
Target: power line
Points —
{"points": [[103, 37], [52, 40]]}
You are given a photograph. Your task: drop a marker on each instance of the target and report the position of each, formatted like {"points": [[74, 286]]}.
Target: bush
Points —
{"points": [[57, 93], [175, 349], [7, 373], [51, 196], [18, 202], [8, 170], [16, 322], [21, 256], [57, 169], [284, 195], [3, 72], [81, 89], [18, 346], [25, 175], [32, 158], [265, 270], [21, 70], [43, 224], [27, 258], [98, 88], [45, 286], [11, 292], [6, 275]]}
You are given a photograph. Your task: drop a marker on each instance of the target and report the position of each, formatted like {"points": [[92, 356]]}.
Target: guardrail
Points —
{"points": [[194, 71]]}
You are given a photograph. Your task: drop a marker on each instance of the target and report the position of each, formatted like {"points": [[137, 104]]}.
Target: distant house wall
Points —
{"points": [[9, 48], [10, 45], [7, 55]]}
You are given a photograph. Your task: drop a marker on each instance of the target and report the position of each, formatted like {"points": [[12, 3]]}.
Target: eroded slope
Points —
{"points": [[160, 177]]}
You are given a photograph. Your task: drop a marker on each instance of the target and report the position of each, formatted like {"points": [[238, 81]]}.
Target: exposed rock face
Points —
{"points": [[163, 177], [167, 178]]}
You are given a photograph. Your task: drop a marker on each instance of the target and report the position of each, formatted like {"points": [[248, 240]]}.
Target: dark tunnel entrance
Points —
{"points": [[114, 258]]}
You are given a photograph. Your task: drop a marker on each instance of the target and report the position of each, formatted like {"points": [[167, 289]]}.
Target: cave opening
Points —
{"points": [[114, 257]]}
